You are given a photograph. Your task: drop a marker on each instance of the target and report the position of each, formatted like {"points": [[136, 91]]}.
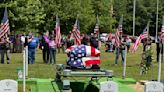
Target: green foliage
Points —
{"points": [[25, 15]]}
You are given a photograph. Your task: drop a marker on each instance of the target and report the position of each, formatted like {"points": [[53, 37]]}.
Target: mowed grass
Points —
{"points": [[40, 70]]}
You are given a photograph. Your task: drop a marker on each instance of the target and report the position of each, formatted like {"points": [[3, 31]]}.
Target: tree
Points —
{"points": [[32, 15], [26, 15]]}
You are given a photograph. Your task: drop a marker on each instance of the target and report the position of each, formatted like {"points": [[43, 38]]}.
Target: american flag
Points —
{"points": [[96, 29], [76, 58], [117, 34], [145, 33], [142, 36], [4, 27], [88, 61], [135, 46], [162, 31], [76, 32], [117, 40], [58, 34]]}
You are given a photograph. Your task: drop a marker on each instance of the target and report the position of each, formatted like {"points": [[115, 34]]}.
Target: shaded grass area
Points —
{"points": [[40, 70]]}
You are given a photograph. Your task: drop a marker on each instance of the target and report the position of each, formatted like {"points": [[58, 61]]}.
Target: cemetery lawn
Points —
{"points": [[40, 70]]}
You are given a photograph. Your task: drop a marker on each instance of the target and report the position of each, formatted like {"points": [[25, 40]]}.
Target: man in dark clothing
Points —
{"points": [[45, 47], [94, 42], [84, 41], [159, 47], [121, 50], [69, 42], [2, 49]]}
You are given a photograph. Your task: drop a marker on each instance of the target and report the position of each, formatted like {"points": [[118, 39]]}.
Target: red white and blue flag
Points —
{"points": [[58, 34], [76, 58], [69, 49], [4, 26], [136, 44], [89, 61], [117, 34], [145, 33], [76, 32], [142, 36]]}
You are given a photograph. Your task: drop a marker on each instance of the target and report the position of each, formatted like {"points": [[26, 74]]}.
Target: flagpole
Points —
{"points": [[159, 67], [148, 28], [24, 71], [99, 28], [26, 56], [124, 65], [134, 11], [157, 21]]}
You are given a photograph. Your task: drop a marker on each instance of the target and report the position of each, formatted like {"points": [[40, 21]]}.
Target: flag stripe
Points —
{"points": [[117, 34], [142, 36], [145, 33], [4, 27], [87, 61], [76, 33], [135, 46], [58, 34], [117, 40]]}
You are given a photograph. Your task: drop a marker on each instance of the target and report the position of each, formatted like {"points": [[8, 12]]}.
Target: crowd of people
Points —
{"points": [[47, 43]]}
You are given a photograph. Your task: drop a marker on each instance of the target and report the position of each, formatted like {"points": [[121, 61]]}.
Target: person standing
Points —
{"points": [[52, 46], [61, 45], [94, 42], [12, 39], [2, 49], [121, 50], [8, 42], [84, 40], [128, 42], [69, 41], [32, 45], [159, 47], [45, 47]]}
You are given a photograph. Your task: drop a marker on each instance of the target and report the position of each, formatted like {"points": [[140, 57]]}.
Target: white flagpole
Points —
{"points": [[159, 67], [24, 66], [124, 65], [157, 20], [26, 55], [134, 11]]}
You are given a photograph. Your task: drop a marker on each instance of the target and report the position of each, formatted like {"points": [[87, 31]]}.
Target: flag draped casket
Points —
{"points": [[69, 49], [82, 56]]}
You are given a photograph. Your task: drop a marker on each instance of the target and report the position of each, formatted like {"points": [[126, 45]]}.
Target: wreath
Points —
{"points": [[146, 61]]}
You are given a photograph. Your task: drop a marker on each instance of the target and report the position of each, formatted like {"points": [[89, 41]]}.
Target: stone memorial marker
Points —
{"points": [[8, 85], [153, 86], [109, 86]]}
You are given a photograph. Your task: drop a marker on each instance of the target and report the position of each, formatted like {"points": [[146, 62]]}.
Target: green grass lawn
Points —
{"points": [[40, 70]]}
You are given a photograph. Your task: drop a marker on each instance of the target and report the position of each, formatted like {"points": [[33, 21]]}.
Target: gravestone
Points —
{"points": [[109, 86], [153, 86], [8, 85]]}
